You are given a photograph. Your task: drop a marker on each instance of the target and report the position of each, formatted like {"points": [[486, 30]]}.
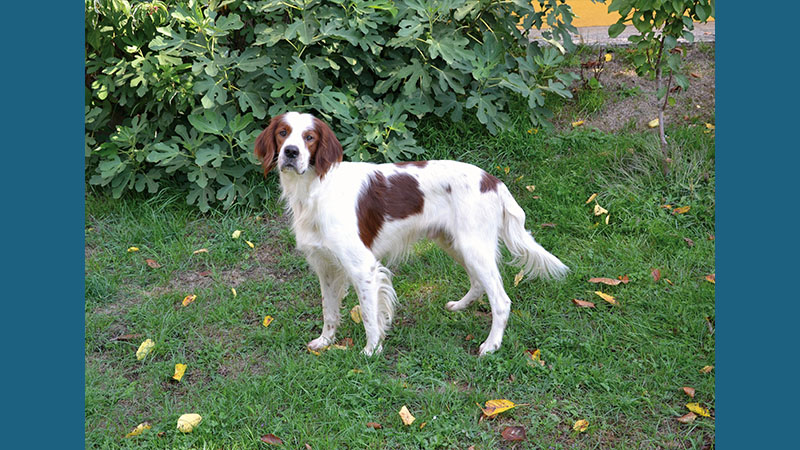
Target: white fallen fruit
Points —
{"points": [[187, 422]]}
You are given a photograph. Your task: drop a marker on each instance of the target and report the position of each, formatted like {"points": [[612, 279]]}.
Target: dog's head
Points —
{"points": [[297, 142]]}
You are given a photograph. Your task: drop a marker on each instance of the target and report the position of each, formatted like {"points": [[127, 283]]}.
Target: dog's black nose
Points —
{"points": [[291, 151]]}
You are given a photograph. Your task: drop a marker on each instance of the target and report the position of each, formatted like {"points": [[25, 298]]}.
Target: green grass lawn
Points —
{"points": [[620, 367]]}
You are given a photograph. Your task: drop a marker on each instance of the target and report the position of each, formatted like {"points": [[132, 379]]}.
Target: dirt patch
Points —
{"points": [[629, 100]]}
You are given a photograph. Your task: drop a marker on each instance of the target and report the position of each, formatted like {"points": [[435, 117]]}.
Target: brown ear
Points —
{"points": [[329, 150], [266, 150]]}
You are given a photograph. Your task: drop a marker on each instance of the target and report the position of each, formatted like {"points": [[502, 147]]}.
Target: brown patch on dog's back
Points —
{"points": [[489, 182], [385, 199], [419, 164]]}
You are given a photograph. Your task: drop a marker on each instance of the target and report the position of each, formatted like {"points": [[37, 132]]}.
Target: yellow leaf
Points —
{"points": [[233, 290], [139, 429], [518, 277], [406, 416], [516, 180], [188, 299], [202, 250], [313, 352], [236, 234], [133, 249], [506, 170], [144, 349], [697, 409], [591, 197], [580, 426], [356, 371], [681, 210], [577, 124], [606, 297], [267, 321], [599, 210], [495, 407], [535, 356], [422, 425], [355, 314], [706, 369], [530, 188], [609, 57], [653, 123], [250, 244], [709, 126], [180, 369], [608, 218], [188, 422]]}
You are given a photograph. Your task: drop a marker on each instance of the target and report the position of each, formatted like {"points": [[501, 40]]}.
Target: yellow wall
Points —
{"points": [[590, 14]]}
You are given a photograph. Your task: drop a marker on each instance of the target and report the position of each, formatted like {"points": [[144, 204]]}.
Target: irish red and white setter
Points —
{"points": [[349, 216]]}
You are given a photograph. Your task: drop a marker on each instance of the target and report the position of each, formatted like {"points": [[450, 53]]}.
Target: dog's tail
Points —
{"points": [[387, 299], [532, 257]]}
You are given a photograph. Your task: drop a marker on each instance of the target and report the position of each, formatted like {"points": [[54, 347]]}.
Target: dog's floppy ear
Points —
{"points": [[329, 149], [266, 150]]}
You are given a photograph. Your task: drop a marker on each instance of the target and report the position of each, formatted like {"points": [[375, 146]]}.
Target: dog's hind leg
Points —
{"points": [[475, 288], [333, 284]]}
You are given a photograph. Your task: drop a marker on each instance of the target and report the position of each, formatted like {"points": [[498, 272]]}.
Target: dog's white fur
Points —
{"points": [[465, 218]]}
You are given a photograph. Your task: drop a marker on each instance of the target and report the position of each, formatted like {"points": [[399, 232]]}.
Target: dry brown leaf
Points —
{"points": [[271, 439], [346, 342], [152, 263], [406, 416], [127, 337], [374, 425], [695, 75], [687, 418], [606, 297], [548, 225], [608, 281], [656, 273], [711, 278], [513, 433], [583, 303], [689, 391], [469, 337], [689, 242], [624, 279], [204, 273]]}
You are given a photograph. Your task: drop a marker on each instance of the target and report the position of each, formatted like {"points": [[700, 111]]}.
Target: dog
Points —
{"points": [[347, 217]]}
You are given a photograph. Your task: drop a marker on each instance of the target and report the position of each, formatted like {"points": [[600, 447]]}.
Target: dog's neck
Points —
{"points": [[298, 188]]}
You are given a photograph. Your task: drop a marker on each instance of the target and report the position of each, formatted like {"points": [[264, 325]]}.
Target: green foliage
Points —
{"points": [[179, 90]]}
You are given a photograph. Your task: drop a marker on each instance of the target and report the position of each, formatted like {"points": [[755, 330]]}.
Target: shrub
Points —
{"points": [[179, 90]]}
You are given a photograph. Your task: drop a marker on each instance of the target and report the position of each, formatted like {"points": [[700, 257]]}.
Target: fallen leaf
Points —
{"points": [[653, 123], [624, 279], [695, 75], [548, 225], [308, 447], [609, 57], [687, 418], [180, 369], [711, 278], [469, 337], [314, 352], [139, 429], [495, 407], [706, 369], [355, 314], [656, 273], [188, 299], [530, 188], [689, 242], [583, 303], [271, 439], [250, 244], [599, 210], [204, 273], [236, 234], [608, 281], [422, 425], [347, 342], [267, 320], [513, 433], [591, 197], [233, 291], [506, 170], [152, 263], [133, 249], [606, 297], [127, 337], [518, 277], [711, 237], [406, 416], [577, 124], [202, 250], [710, 126], [580, 426], [188, 422], [144, 349], [697, 409], [535, 357], [670, 282], [681, 210], [666, 206], [689, 391], [608, 217], [374, 425]]}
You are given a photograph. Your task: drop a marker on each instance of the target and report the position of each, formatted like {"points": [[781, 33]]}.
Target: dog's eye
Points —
{"points": [[309, 138], [282, 133]]}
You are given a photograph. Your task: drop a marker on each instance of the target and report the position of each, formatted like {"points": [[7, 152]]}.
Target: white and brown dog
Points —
{"points": [[348, 216]]}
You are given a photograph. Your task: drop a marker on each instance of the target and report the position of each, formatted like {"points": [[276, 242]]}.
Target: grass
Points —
{"points": [[619, 367]]}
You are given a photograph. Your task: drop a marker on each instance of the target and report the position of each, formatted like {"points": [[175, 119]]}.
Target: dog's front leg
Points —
{"points": [[333, 285]]}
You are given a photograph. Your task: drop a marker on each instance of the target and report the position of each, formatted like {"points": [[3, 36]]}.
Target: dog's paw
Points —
{"points": [[372, 351], [318, 343], [455, 306], [488, 347]]}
